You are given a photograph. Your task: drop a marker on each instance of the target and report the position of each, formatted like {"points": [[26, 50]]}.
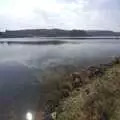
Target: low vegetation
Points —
{"points": [[97, 100], [90, 94]]}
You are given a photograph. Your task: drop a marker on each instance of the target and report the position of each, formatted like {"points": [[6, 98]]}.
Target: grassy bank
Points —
{"points": [[99, 99], [92, 93]]}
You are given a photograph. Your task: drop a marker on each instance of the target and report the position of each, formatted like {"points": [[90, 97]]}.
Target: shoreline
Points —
{"points": [[74, 82]]}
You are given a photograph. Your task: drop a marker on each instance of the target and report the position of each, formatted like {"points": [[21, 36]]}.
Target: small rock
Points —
{"points": [[53, 115], [65, 93], [87, 91], [77, 83]]}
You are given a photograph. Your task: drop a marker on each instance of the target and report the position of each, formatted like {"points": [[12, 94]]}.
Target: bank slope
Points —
{"points": [[97, 100]]}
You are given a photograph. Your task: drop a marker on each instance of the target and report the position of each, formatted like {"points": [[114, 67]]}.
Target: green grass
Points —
{"points": [[97, 100]]}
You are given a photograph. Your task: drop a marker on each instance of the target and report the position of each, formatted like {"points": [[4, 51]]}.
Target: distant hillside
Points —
{"points": [[56, 33], [44, 33], [102, 33]]}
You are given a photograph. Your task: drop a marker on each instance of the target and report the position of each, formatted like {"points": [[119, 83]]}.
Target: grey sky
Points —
{"points": [[65, 14]]}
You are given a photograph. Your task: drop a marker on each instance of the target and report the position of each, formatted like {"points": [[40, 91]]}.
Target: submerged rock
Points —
{"points": [[94, 71]]}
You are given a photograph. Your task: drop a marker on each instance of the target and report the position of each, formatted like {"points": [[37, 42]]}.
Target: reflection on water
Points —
{"points": [[19, 91], [40, 56], [22, 65], [29, 116]]}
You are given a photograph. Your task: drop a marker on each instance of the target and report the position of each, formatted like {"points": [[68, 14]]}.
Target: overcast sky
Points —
{"points": [[65, 14]]}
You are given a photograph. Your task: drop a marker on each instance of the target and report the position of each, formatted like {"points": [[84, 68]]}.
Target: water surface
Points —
{"points": [[22, 65]]}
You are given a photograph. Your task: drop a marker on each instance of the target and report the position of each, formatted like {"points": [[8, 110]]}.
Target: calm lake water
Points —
{"points": [[22, 65]]}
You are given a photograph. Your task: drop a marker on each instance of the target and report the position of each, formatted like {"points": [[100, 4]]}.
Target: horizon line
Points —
{"points": [[57, 29]]}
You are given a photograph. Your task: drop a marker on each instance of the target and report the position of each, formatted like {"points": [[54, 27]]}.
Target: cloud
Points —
{"points": [[65, 14]]}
